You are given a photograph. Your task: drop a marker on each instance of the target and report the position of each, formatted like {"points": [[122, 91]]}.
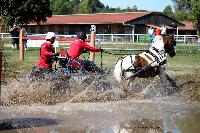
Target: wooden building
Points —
{"points": [[106, 23]]}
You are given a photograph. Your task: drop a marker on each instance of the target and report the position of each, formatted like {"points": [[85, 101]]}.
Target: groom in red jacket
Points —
{"points": [[47, 52], [77, 47]]}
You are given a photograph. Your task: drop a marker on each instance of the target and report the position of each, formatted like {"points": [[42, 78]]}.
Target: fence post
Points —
{"points": [[184, 39], [92, 41], [137, 38], [0, 73], [22, 30], [112, 37]]}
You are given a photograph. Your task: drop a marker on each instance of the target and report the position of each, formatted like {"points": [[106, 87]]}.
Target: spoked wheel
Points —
{"points": [[37, 74], [32, 75]]}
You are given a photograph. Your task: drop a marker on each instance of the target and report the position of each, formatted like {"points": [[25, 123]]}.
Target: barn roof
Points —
{"points": [[155, 18], [99, 18], [188, 25], [131, 18]]}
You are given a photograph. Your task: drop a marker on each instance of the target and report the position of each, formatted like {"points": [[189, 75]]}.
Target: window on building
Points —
{"points": [[56, 29], [107, 29], [140, 29], [46, 29], [66, 30]]}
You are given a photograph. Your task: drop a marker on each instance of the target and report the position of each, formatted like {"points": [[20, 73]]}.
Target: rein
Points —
{"points": [[108, 52], [137, 71]]}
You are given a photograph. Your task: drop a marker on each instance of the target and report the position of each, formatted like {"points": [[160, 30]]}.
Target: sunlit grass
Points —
{"points": [[187, 58]]}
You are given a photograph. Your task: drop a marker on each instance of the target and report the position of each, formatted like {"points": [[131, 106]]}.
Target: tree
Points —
{"points": [[134, 8], [195, 14], [84, 7], [168, 11], [96, 5], [24, 11], [90, 6], [75, 6], [191, 9], [182, 5], [181, 16], [61, 7]]}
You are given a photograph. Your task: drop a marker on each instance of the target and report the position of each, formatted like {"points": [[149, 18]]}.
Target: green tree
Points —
{"points": [[90, 6], [182, 5], [190, 9], [134, 8], [168, 11], [84, 7], [24, 11], [179, 15], [128, 9], [75, 5], [60, 7], [195, 14], [96, 6]]}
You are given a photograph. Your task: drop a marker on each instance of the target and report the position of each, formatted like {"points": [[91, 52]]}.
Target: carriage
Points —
{"points": [[80, 71]]}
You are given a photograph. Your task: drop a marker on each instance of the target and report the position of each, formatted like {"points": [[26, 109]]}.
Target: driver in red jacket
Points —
{"points": [[78, 46], [47, 52]]}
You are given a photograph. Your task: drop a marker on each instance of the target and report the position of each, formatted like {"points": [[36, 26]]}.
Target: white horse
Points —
{"points": [[146, 64]]}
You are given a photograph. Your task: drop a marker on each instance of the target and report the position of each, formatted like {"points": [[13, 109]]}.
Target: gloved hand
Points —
{"points": [[56, 54], [84, 51], [101, 50]]}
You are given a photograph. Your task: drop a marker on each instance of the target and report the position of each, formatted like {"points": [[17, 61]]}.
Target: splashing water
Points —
{"points": [[96, 88]]}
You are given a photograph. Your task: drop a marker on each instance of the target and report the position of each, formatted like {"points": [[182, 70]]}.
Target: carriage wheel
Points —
{"points": [[32, 75]]}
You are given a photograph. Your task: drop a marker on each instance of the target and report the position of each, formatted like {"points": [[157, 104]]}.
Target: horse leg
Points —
{"points": [[125, 86], [162, 75]]}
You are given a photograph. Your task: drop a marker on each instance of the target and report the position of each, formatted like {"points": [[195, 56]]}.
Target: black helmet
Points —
{"points": [[81, 35]]}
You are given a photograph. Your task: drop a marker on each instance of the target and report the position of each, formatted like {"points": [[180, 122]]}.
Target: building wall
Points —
{"points": [[101, 29], [73, 29]]}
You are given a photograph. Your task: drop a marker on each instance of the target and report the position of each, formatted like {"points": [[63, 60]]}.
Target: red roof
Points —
{"points": [[188, 26], [100, 18]]}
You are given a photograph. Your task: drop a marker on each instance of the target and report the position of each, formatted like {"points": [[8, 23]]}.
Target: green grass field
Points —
{"points": [[184, 67], [186, 60]]}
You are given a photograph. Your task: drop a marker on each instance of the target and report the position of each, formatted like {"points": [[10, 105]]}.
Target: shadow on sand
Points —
{"points": [[19, 123]]}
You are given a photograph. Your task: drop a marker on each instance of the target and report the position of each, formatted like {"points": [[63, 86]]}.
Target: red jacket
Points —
{"points": [[46, 52], [78, 46], [158, 31]]}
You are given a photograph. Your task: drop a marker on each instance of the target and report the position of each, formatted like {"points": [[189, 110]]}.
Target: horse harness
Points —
{"points": [[158, 58]]}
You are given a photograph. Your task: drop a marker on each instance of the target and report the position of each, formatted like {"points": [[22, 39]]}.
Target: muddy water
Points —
{"points": [[109, 117], [29, 108]]}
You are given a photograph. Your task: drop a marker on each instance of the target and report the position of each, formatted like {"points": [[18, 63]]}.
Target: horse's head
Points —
{"points": [[169, 43]]}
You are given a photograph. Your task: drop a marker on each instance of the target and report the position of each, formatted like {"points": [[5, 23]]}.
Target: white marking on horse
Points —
{"points": [[128, 66]]}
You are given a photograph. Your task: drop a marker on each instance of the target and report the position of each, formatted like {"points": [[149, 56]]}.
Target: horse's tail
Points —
{"points": [[118, 70]]}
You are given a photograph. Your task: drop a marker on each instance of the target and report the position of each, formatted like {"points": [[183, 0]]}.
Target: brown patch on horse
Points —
{"points": [[166, 39], [148, 71], [169, 46], [140, 62], [148, 57]]}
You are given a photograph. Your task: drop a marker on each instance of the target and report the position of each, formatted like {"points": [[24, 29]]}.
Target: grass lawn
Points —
{"points": [[186, 60], [184, 67]]}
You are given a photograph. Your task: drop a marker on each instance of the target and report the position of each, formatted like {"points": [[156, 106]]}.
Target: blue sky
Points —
{"points": [[150, 5]]}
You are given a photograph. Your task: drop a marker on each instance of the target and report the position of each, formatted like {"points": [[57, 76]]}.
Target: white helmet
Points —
{"points": [[50, 35]]}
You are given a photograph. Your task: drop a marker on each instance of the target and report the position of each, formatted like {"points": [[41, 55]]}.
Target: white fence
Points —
{"points": [[121, 38]]}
